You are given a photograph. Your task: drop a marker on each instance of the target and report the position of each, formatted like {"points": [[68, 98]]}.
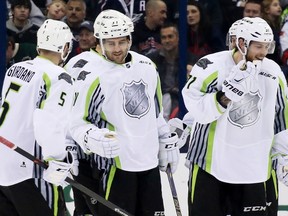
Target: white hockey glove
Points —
{"points": [[72, 147], [240, 80], [182, 130], [169, 153], [57, 171], [101, 142], [282, 169]]}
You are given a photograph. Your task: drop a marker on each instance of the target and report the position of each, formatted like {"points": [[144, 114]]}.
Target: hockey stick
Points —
{"points": [[173, 191], [72, 182]]}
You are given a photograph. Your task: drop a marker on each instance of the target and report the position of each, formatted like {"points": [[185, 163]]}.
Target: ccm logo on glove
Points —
{"points": [[170, 145]]}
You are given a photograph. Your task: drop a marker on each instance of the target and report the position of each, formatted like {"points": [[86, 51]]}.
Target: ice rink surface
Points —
{"points": [[181, 178]]}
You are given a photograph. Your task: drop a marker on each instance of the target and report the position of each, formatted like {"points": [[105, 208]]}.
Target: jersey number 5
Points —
{"points": [[5, 104]]}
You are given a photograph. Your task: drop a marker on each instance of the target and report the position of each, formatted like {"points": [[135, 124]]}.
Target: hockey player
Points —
{"points": [[180, 126], [75, 65], [231, 35], [239, 103], [271, 185], [38, 98], [118, 116], [83, 204], [88, 175]]}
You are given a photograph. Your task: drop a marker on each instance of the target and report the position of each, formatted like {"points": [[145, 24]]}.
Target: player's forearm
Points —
{"points": [[204, 108]]}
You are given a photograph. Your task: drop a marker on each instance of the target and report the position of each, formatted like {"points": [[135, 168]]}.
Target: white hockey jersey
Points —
{"points": [[125, 98], [234, 144], [75, 67], [37, 99], [75, 64]]}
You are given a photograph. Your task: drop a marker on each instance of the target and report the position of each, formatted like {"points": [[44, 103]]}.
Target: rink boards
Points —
{"points": [[180, 178]]}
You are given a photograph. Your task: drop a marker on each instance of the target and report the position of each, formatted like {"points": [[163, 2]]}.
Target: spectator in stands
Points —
{"points": [[199, 30], [252, 8], [86, 37], [20, 26], [17, 52], [167, 62], [36, 16], [75, 15], [271, 13], [56, 10], [146, 37]]}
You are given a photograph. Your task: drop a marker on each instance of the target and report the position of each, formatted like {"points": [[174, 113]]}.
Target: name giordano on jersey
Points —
{"points": [[20, 72]]}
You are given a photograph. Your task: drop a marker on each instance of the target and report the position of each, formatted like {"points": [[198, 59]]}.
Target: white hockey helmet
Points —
{"points": [[254, 29], [53, 35], [112, 24], [233, 27], [232, 33]]}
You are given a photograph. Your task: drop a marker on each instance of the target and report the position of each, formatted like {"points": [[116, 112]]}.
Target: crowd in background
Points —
{"points": [[156, 32]]}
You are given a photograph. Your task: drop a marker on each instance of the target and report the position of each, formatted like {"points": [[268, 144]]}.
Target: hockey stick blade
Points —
{"points": [[72, 182], [173, 191]]}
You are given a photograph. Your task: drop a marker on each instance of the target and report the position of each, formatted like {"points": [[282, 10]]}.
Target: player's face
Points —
{"points": [[257, 50], [116, 49], [232, 42]]}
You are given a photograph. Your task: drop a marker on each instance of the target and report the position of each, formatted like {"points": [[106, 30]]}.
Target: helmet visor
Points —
{"points": [[271, 48]]}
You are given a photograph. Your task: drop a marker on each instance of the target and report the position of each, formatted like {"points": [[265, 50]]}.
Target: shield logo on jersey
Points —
{"points": [[246, 112], [135, 98]]}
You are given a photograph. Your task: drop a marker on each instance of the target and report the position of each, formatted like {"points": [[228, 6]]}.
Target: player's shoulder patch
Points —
{"points": [[203, 63], [65, 77], [82, 75], [80, 63]]}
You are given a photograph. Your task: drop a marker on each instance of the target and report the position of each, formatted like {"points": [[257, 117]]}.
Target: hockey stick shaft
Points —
{"points": [[72, 182], [173, 191]]}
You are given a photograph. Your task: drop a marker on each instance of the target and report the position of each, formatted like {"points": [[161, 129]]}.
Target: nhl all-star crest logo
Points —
{"points": [[136, 100], [246, 112]]}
